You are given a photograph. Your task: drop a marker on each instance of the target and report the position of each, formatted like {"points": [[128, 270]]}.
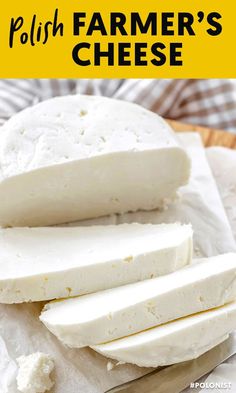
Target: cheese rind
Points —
{"points": [[79, 157], [34, 373], [174, 342], [119, 312], [48, 263]]}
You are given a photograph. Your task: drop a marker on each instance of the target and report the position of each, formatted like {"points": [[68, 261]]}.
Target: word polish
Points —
{"points": [[38, 32]]}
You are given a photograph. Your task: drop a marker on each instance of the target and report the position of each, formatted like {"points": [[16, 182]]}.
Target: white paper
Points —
{"points": [[221, 380], [85, 371], [223, 164]]}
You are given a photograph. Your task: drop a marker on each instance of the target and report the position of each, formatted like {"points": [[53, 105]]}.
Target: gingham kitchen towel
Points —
{"points": [[209, 102]]}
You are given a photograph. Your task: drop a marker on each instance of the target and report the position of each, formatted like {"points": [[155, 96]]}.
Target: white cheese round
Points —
{"points": [[78, 157]]}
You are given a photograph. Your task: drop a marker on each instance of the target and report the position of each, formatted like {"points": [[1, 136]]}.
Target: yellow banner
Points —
{"points": [[121, 39]]}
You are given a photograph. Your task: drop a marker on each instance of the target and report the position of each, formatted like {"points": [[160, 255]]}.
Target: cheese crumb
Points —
{"points": [[120, 363], [110, 366], [34, 373]]}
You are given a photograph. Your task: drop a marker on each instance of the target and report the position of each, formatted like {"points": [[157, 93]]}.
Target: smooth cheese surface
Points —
{"points": [[174, 342], [47, 263], [111, 314], [78, 157]]}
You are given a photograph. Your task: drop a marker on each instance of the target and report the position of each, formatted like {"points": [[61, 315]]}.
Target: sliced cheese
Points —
{"points": [[174, 342], [78, 157], [119, 312], [47, 263]]}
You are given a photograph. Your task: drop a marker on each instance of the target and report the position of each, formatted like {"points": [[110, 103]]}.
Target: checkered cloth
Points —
{"points": [[209, 102]]}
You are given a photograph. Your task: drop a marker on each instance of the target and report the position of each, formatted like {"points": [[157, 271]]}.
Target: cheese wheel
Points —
{"points": [[80, 157]]}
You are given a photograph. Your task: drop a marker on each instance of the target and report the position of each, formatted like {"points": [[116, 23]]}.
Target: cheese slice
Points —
{"points": [[79, 157], [47, 263], [174, 342], [119, 312]]}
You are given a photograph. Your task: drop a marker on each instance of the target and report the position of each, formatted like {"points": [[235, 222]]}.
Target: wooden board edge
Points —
{"points": [[210, 136]]}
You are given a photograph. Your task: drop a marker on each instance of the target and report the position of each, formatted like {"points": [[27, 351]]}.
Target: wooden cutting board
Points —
{"points": [[210, 136]]}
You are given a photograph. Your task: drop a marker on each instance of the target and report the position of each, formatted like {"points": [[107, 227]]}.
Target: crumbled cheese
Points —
{"points": [[110, 366], [34, 373]]}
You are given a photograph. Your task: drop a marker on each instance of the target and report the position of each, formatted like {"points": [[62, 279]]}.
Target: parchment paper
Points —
{"points": [[223, 164], [84, 371]]}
